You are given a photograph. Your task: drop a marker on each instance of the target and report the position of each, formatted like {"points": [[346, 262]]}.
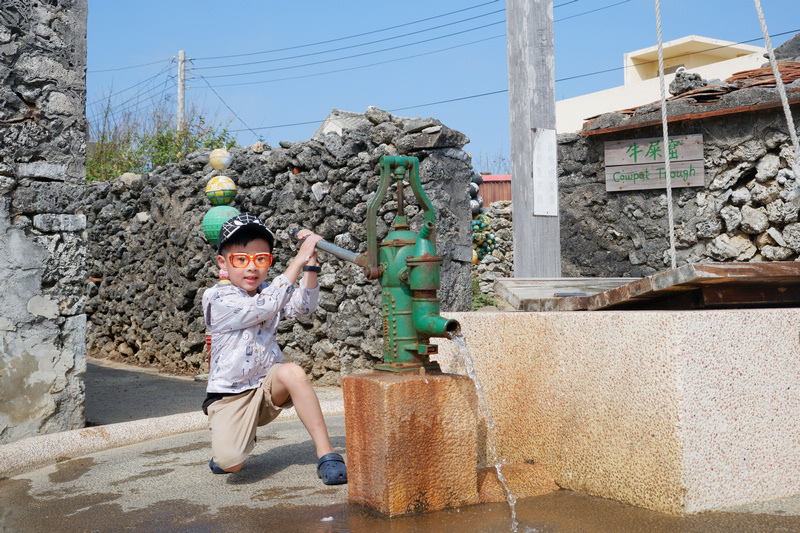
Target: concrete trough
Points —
{"points": [[676, 411]]}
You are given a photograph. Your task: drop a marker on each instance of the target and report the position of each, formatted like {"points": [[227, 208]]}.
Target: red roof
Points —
{"points": [[497, 177]]}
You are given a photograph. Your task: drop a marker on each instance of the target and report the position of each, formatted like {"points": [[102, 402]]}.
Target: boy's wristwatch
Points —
{"points": [[308, 268]]}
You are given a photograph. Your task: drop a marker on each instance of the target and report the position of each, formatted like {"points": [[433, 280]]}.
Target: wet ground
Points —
{"points": [[167, 487], [164, 485]]}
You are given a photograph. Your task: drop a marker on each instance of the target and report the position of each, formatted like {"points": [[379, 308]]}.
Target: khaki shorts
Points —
{"points": [[233, 421]]}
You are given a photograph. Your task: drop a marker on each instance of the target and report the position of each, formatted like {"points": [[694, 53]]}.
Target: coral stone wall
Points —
{"points": [[743, 213], [42, 232], [151, 263]]}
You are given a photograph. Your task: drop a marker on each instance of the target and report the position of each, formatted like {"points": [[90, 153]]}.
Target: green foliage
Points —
{"points": [[478, 298], [127, 144], [167, 145], [109, 157]]}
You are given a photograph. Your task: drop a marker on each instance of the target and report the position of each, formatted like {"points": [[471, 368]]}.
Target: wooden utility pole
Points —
{"points": [[181, 89], [532, 114]]}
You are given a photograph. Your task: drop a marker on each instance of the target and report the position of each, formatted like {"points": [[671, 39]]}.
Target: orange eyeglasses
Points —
{"points": [[241, 260]]}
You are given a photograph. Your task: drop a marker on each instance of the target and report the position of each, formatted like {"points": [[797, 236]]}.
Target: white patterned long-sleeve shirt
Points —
{"points": [[243, 330]]}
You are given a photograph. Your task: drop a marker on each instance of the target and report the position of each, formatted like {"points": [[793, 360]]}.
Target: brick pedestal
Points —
{"points": [[411, 441]]}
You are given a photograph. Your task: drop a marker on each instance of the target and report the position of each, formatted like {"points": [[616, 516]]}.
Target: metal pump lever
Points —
{"points": [[336, 251]]}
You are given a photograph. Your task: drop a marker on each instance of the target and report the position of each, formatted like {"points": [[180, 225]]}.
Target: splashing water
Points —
{"points": [[463, 353]]}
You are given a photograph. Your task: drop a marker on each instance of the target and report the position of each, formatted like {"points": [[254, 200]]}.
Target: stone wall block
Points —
{"points": [[776, 253], [767, 167], [763, 195], [728, 178], [791, 235], [47, 197], [42, 164], [750, 150], [732, 217], [740, 196], [42, 170], [754, 221]]}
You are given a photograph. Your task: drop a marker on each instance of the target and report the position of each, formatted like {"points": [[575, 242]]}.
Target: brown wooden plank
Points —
{"points": [[636, 289], [693, 286], [775, 270], [685, 300], [703, 285], [526, 293], [567, 303], [751, 295]]}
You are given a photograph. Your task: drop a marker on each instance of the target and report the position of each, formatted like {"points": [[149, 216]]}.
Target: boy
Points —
{"points": [[249, 382]]}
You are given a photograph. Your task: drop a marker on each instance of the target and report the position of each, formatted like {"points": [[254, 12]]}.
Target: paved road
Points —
{"points": [[119, 393]]}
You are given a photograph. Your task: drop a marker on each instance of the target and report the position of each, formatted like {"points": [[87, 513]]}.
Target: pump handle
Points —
{"points": [[336, 251]]}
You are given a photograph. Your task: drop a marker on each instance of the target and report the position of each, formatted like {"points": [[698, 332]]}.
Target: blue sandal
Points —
{"points": [[331, 469], [215, 468]]}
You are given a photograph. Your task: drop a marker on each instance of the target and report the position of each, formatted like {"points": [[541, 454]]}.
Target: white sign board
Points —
{"points": [[545, 173]]}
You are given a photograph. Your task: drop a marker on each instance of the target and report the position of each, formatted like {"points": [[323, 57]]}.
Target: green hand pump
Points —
{"points": [[409, 272]]}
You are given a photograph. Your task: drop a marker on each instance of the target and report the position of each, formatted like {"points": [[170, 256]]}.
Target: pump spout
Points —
{"points": [[428, 321]]}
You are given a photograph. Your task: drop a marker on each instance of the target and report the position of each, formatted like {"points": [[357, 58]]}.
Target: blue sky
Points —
{"points": [[274, 70]]}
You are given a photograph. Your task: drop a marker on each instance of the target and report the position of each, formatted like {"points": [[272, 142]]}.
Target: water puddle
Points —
{"points": [[557, 512]]}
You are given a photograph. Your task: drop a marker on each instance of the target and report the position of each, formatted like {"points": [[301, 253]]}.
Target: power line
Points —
{"points": [[501, 90], [372, 32], [350, 46], [136, 98], [591, 11], [400, 46], [322, 42], [347, 37], [253, 130], [159, 73], [340, 70], [117, 109], [451, 100], [96, 71], [129, 67], [140, 94], [279, 126], [289, 78], [396, 109], [356, 55], [128, 104], [226, 105]]}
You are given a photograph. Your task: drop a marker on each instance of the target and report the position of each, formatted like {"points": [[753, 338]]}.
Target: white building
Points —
{"points": [[711, 58]]}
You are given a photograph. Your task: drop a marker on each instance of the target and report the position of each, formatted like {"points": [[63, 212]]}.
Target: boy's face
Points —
{"points": [[251, 276]]}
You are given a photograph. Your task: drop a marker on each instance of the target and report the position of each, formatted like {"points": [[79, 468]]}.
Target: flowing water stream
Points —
{"points": [[463, 353]]}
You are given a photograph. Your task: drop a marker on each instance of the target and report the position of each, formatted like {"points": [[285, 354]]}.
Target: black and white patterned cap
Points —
{"points": [[244, 220]]}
